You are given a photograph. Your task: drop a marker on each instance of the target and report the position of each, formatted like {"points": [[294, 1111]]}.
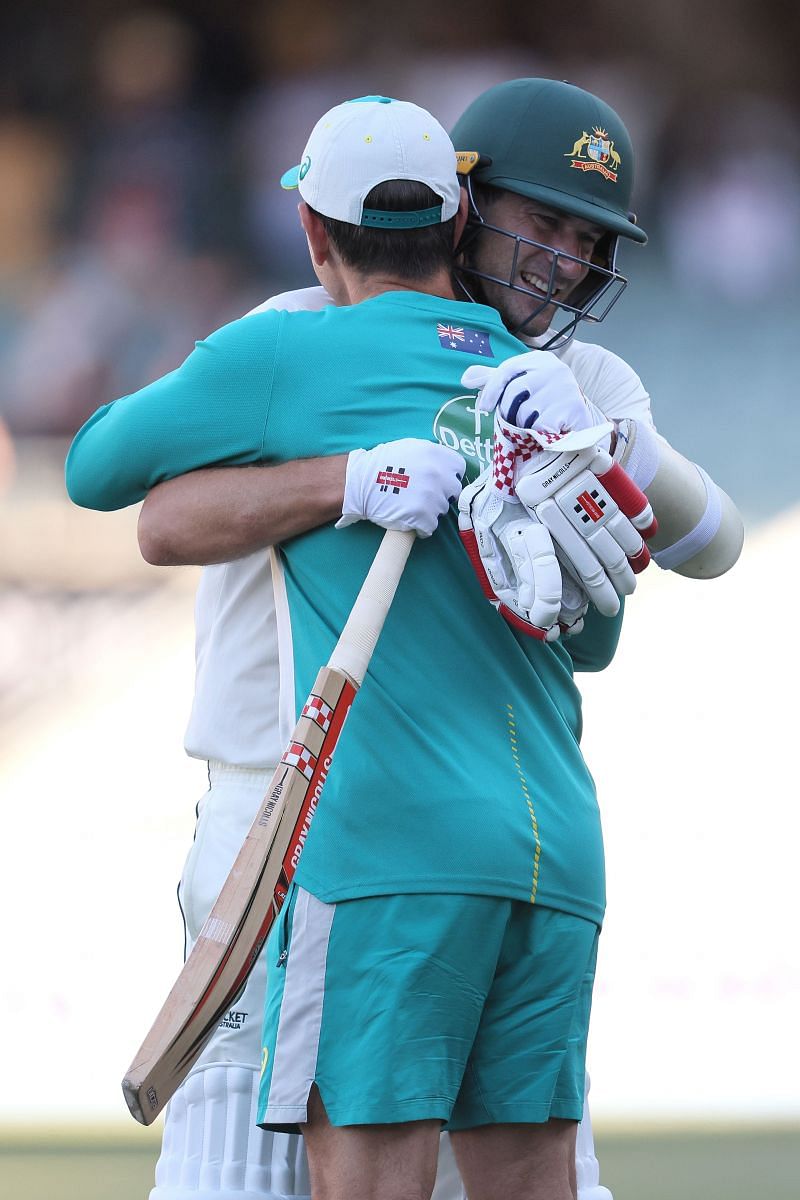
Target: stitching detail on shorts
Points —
{"points": [[479, 1092], [512, 733]]}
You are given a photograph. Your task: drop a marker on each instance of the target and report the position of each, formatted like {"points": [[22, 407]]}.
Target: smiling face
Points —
{"points": [[537, 270]]}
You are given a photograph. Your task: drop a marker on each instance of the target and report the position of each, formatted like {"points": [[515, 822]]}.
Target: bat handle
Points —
{"points": [[363, 627]]}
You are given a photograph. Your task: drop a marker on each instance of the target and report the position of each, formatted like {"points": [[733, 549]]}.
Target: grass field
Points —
{"points": [[729, 1163]]}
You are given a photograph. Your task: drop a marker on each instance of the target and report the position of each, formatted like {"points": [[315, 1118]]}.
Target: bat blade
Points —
{"points": [[239, 922]]}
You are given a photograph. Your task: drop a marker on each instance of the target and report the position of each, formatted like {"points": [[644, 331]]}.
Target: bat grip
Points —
{"points": [[354, 649]]}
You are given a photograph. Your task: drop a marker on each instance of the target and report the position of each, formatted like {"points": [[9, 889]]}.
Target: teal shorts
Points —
{"points": [[471, 1010]]}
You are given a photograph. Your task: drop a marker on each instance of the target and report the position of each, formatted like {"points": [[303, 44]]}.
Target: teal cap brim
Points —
{"points": [[291, 178]]}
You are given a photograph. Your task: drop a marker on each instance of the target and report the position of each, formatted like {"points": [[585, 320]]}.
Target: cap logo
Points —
{"points": [[305, 167], [592, 151]]}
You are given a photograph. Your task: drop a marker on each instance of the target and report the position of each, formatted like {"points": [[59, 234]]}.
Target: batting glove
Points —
{"points": [[535, 390], [588, 504], [517, 564], [574, 605], [550, 444], [513, 556], [596, 514], [407, 484]]}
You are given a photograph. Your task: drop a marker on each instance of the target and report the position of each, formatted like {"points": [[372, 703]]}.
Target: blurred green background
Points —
{"points": [[697, 1164]]}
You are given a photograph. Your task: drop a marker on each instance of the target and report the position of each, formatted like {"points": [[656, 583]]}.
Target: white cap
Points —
{"points": [[364, 142]]}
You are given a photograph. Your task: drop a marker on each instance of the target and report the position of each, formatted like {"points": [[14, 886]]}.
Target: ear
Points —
{"points": [[319, 246], [461, 216]]}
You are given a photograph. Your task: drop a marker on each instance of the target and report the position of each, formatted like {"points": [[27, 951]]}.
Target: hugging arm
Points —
{"points": [[217, 515]]}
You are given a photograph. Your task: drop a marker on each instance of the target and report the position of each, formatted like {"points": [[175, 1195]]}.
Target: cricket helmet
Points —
{"points": [[558, 144]]}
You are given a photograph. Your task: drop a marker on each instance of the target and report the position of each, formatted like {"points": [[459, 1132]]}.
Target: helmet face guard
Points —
{"points": [[558, 145], [590, 300]]}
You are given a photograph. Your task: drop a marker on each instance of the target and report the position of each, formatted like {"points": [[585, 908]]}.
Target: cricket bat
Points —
{"points": [[237, 926]]}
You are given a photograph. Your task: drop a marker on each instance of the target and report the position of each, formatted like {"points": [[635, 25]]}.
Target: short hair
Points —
{"points": [[409, 253]]}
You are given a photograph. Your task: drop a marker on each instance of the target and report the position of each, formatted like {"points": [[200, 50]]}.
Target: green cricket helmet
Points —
{"points": [[556, 143]]}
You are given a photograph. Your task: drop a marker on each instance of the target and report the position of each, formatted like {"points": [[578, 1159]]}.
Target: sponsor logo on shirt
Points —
{"points": [[461, 426], [233, 1019]]}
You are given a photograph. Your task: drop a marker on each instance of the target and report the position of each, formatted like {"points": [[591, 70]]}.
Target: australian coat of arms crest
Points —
{"points": [[593, 151]]}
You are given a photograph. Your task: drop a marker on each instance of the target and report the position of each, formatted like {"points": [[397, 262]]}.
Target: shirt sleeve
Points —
{"points": [[608, 381], [211, 411], [594, 647]]}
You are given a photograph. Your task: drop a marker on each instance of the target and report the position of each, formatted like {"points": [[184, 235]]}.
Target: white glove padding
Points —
{"points": [[574, 605], [535, 391], [597, 517], [407, 484], [593, 526], [517, 567], [513, 556]]}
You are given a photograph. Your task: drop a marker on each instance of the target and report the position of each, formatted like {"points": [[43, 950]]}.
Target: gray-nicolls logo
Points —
{"points": [[389, 478]]}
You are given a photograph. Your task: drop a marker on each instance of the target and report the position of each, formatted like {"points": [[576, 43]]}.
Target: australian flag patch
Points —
{"points": [[470, 341]]}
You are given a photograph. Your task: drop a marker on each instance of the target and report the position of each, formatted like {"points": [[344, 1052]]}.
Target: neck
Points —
{"points": [[364, 287]]}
